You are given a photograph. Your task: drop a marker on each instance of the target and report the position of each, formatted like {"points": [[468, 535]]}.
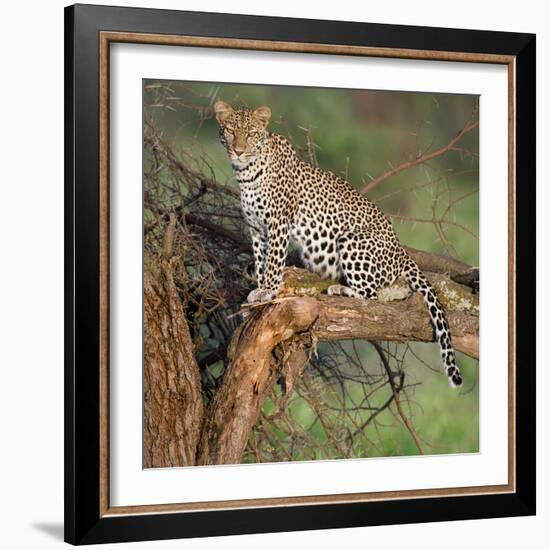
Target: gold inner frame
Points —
{"points": [[105, 39]]}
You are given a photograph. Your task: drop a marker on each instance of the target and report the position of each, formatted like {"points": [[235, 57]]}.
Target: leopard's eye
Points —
{"points": [[229, 130]]}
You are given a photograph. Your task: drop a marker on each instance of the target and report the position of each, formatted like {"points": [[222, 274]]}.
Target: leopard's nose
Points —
{"points": [[239, 150]]}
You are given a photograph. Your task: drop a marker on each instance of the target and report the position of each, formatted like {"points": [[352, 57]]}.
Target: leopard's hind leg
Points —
{"points": [[364, 265]]}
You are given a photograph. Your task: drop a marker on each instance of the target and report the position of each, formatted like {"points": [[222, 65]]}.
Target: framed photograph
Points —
{"points": [[299, 274]]}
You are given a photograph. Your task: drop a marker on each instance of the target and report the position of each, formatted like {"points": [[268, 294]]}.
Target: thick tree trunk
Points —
{"points": [[173, 405]]}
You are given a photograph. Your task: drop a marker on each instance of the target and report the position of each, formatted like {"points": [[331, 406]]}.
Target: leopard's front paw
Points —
{"points": [[261, 295]]}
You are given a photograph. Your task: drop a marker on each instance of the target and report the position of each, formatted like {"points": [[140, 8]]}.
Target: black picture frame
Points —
{"points": [[84, 524]]}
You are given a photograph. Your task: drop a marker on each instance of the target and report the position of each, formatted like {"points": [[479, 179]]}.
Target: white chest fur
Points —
{"points": [[254, 194]]}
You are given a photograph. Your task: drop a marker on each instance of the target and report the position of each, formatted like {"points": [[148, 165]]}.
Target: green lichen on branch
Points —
{"points": [[453, 296], [300, 282]]}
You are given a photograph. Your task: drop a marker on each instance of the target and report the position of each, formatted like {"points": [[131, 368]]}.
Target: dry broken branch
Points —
{"points": [[249, 377]]}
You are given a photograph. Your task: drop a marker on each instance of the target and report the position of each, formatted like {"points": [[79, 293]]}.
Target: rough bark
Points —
{"points": [[173, 405], [249, 377], [400, 321]]}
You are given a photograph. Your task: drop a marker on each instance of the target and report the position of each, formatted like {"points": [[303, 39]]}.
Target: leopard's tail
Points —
{"points": [[418, 283]]}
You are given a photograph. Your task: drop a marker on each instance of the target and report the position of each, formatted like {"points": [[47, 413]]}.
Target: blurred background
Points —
{"points": [[339, 409]]}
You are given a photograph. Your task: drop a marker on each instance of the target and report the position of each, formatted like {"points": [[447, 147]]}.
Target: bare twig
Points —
{"points": [[396, 389], [422, 159]]}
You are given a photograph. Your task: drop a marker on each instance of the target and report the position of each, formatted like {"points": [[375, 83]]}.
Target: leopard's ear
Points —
{"points": [[222, 110], [262, 114]]}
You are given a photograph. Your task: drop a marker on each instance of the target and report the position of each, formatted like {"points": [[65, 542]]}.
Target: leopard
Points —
{"points": [[340, 233]]}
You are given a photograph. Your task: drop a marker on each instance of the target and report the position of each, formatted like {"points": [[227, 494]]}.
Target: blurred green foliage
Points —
{"points": [[435, 207]]}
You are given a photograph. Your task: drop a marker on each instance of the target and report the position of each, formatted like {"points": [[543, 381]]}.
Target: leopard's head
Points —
{"points": [[243, 132]]}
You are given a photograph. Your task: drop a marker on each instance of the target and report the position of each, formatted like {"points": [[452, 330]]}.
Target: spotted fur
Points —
{"points": [[340, 233]]}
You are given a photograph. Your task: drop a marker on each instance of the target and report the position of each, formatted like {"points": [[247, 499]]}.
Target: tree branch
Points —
{"points": [[396, 389], [420, 159], [396, 316], [300, 307]]}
